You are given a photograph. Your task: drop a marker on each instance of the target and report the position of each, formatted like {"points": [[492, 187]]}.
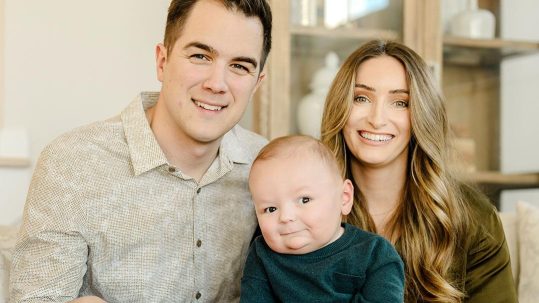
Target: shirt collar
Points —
{"points": [[146, 154]]}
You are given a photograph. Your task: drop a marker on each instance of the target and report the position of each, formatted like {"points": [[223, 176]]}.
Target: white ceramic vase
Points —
{"points": [[473, 23], [311, 106]]}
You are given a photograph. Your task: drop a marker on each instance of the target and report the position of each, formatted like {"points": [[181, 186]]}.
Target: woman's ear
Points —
{"points": [[347, 197]]}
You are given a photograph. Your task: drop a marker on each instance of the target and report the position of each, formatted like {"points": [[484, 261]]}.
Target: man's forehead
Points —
{"points": [[227, 32]]}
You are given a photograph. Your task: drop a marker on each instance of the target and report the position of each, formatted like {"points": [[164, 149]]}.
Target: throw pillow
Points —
{"points": [[528, 233]]}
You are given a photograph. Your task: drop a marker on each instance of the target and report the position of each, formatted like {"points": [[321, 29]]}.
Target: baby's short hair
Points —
{"points": [[298, 146]]}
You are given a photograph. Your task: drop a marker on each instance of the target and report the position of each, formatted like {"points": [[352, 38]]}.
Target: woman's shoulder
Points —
{"points": [[486, 222]]}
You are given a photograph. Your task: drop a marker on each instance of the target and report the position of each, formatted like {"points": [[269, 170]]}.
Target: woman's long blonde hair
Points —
{"points": [[428, 229]]}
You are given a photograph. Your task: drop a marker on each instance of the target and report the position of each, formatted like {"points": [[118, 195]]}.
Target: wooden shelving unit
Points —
{"points": [[469, 70]]}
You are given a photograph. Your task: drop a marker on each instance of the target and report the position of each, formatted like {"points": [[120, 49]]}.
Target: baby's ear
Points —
{"points": [[347, 197]]}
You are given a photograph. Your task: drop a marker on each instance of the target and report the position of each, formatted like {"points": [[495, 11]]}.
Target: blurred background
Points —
{"points": [[66, 63]]}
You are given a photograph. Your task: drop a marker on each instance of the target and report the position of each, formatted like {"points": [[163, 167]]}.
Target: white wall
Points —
{"points": [[519, 79], [68, 63]]}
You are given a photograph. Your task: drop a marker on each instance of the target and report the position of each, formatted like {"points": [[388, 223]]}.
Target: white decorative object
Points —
{"points": [[303, 12], [449, 9], [311, 106], [473, 23]]}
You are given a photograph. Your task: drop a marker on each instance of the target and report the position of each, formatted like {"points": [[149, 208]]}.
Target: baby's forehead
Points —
{"points": [[300, 161]]}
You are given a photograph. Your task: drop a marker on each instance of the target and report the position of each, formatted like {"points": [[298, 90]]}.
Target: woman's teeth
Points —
{"points": [[375, 137]]}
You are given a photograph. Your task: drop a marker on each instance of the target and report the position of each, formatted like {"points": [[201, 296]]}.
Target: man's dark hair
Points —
{"points": [[179, 10]]}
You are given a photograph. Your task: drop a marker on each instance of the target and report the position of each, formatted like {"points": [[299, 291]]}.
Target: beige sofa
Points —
{"points": [[521, 229]]}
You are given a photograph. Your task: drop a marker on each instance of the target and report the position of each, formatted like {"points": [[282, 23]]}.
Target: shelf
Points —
{"points": [[343, 32], [467, 51], [506, 180], [514, 45], [14, 162]]}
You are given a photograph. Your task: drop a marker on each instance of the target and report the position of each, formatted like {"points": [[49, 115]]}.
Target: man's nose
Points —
{"points": [[216, 80]]}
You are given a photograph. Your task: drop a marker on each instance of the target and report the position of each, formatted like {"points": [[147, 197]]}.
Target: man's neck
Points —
{"points": [[191, 157]]}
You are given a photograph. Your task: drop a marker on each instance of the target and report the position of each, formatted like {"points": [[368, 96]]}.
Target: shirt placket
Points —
{"points": [[199, 245]]}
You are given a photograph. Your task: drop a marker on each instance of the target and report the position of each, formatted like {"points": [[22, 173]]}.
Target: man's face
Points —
{"points": [[211, 73]]}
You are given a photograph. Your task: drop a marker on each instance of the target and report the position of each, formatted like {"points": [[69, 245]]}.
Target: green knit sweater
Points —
{"points": [[357, 267]]}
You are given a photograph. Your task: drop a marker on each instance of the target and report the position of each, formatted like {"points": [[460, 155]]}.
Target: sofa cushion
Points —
{"points": [[510, 228], [528, 236], [8, 237]]}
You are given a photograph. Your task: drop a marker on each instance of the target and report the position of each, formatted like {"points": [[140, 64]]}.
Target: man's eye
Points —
{"points": [[304, 200], [240, 68], [198, 57], [361, 99], [270, 209]]}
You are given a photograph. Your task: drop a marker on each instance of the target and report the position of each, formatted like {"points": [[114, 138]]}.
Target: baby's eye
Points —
{"points": [[400, 104], [270, 209], [304, 200], [361, 99]]}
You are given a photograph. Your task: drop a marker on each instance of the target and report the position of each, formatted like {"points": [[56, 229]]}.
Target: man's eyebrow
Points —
{"points": [[202, 46], [247, 60], [394, 91], [212, 50]]}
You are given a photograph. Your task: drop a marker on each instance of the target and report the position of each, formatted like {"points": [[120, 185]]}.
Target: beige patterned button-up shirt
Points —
{"points": [[107, 216]]}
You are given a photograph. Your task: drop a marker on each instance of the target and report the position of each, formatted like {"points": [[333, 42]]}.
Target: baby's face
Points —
{"points": [[299, 202]]}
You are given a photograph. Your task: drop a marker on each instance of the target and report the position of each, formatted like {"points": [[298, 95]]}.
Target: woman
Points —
{"points": [[385, 121]]}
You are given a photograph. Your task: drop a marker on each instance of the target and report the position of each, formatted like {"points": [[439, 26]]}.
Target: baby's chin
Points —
{"points": [[295, 246]]}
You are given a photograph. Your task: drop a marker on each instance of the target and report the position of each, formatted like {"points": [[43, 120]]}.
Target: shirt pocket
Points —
{"points": [[346, 283]]}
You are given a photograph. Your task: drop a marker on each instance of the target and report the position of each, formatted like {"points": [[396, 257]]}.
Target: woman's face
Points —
{"points": [[378, 130]]}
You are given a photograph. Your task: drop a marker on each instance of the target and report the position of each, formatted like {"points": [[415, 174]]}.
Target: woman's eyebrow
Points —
{"points": [[359, 85], [372, 89]]}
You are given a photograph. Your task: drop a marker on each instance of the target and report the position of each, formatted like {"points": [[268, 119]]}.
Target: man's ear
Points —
{"points": [[347, 197], [261, 78], [160, 60]]}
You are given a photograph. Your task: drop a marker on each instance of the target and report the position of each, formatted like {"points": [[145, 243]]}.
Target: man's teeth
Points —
{"points": [[208, 107], [374, 137]]}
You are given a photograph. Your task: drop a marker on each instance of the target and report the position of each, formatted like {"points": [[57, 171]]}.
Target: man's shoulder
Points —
{"points": [[91, 138], [244, 142], [248, 137]]}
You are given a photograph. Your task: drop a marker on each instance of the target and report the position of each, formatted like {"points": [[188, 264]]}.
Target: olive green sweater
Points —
{"points": [[483, 267]]}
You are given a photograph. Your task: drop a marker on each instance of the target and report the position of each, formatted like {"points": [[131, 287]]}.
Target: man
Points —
{"points": [[153, 205]]}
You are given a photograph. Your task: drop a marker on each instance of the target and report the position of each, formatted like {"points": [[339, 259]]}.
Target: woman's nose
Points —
{"points": [[377, 115]]}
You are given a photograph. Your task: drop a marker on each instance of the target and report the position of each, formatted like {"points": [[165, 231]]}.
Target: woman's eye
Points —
{"points": [[270, 209], [401, 104], [361, 99], [304, 200]]}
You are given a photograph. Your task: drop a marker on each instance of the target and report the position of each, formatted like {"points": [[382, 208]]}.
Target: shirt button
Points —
{"points": [[171, 169], [198, 190], [199, 243], [198, 295]]}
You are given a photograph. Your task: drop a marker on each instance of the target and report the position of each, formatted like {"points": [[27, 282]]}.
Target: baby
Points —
{"points": [[305, 253]]}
